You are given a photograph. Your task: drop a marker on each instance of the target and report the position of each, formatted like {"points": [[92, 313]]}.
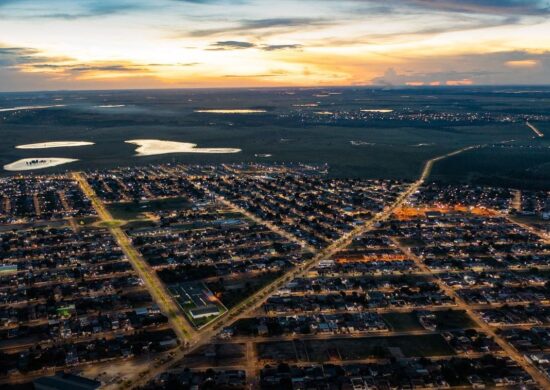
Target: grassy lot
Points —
{"points": [[453, 319], [356, 348], [139, 224], [134, 210], [402, 322], [362, 348], [533, 220], [86, 221], [111, 224], [234, 292]]}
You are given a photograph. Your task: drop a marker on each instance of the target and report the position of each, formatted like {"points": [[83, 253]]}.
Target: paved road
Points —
{"points": [[371, 360], [267, 224], [510, 351], [428, 166], [545, 237], [535, 130], [156, 288], [255, 301]]}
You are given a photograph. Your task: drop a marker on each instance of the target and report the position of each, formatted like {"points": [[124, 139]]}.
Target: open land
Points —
{"points": [[289, 130]]}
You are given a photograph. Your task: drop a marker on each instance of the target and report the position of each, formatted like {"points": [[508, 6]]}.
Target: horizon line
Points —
{"points": [[379, 87]]}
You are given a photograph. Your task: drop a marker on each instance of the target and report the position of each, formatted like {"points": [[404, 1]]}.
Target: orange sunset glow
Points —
{"points": [[64, 44]]}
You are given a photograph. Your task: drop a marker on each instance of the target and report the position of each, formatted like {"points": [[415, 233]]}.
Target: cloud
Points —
{"points": [[509, 7], [25, 68], [17, 51], [416, 32], [345, 41], [238, 45], [257, 24], [208, 1], [281, 47], [76, 10], [105, 68], [229, 76], [515, 67], [30, 60], [179, 64], [523, 63], [254, 26], [392, 78], [231, 45], [18, 56], [7, 2]]}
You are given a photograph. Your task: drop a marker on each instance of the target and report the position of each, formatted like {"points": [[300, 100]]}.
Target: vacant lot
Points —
{"points": [[134, 210], [355, 348], [445, 319]]}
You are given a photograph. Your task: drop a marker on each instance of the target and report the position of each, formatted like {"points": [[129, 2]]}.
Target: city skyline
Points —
{"points": [[251, 43]]}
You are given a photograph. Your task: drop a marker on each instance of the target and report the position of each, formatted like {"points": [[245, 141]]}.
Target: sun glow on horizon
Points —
{"points": [[116, 44]]}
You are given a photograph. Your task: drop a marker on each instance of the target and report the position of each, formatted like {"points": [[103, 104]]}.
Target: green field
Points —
{"points": [[402, 322], [231, 294], [128, 211], [453, 319], [522, 165], [393, 149]]}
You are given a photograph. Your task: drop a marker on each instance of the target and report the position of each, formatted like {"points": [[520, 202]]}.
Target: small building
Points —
{"points": [[204, 311], [325, 264], [141, 311]]}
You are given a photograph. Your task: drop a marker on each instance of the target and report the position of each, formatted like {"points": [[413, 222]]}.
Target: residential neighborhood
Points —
{"points": [[271, 276]]}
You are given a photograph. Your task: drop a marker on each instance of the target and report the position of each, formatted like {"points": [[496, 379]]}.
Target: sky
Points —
{"points": [[113, 44]]}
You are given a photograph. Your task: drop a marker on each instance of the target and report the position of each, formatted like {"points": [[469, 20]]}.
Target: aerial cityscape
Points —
{"points": [[332, 195]]}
